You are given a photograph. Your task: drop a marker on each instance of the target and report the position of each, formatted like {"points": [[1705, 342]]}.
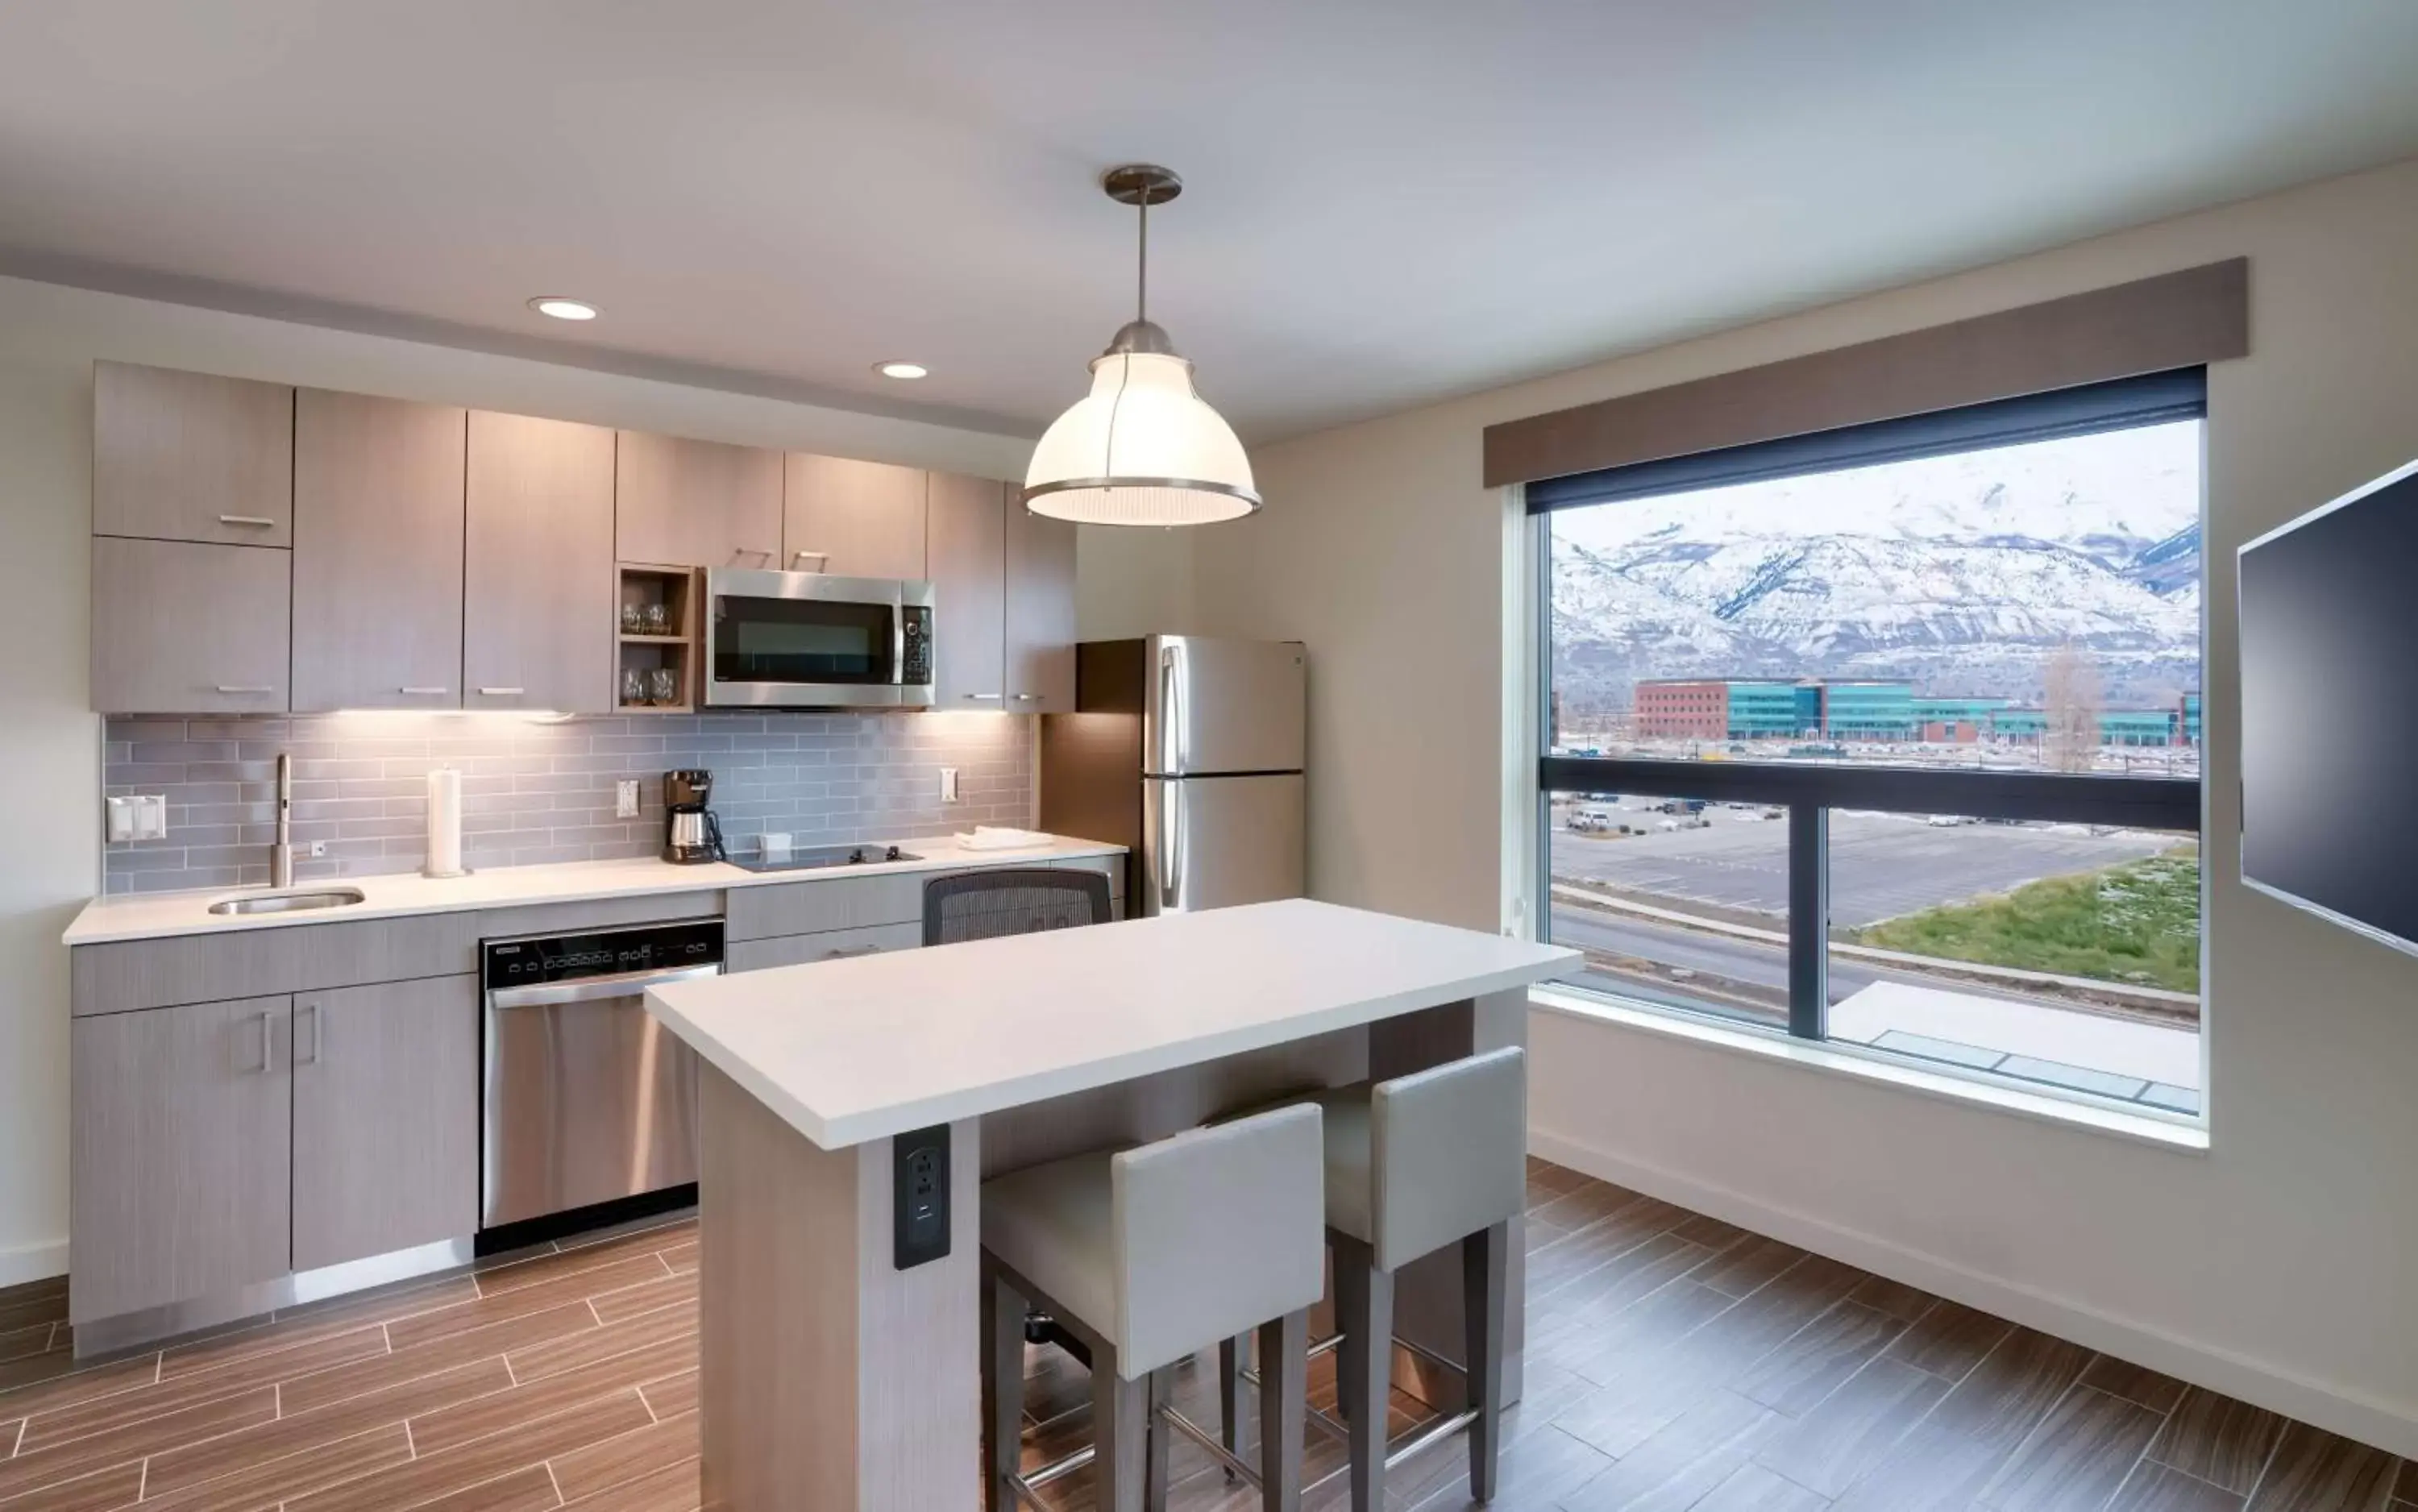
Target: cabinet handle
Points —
{"points": [[501, 692], [823, 559], [256, 522], [1025, 698], [312, 1009], [421, 692], [245, 687], [991, 697], [264, 1017]]}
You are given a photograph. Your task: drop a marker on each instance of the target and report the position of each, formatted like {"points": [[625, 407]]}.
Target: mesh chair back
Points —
{"points": [[1012, 901]]}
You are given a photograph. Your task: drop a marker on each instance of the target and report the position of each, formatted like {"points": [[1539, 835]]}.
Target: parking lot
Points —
{"points": [[1882, 865]]}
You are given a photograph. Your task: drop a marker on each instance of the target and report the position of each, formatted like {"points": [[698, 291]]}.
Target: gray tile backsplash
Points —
{"points": [[537, 791]]}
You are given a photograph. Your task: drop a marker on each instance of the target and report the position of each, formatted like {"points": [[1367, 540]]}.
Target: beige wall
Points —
{"points": [[50, 841], [2280, 1263]]}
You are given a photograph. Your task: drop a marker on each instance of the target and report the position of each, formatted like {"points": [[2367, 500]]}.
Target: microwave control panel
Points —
{"points": [[916, 623]]}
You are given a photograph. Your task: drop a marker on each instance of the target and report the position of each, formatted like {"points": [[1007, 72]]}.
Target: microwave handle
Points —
{"points": [[823, 559]]}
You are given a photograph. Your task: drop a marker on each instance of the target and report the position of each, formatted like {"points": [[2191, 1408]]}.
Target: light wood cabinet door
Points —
{"points": [[1040, 612], [386, 1117], [968, 668], [538, 584], [182, 628], [852, 519], [683, 503], [377, 553], [189, 456], [180, 1146], [838, 944]]}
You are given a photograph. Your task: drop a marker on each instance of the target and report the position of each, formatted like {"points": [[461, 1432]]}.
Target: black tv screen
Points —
{"points": [[2329, 608]]}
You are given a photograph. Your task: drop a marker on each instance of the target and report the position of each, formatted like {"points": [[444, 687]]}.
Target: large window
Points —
{"points": [[1891, 736]]}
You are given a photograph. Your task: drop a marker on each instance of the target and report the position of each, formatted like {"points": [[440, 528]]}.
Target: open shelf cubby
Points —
{"points": [[656, 631]]}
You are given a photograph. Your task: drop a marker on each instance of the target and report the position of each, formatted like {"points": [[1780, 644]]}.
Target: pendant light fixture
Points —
{"points": [[1140, 448]]}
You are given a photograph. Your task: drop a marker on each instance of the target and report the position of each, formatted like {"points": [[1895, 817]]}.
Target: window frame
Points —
{"points": [[1810, 790]]}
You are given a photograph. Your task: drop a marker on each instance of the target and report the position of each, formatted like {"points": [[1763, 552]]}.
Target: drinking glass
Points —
{"points": [[634, 687], [658, 619], [633, 620], [666, 685]]}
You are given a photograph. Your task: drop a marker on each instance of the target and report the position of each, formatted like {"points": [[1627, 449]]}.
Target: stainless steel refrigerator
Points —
{"points": [[1187, 751]]}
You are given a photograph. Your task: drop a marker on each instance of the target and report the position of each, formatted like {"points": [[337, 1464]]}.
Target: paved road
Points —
{"points": [[1882, 865]]}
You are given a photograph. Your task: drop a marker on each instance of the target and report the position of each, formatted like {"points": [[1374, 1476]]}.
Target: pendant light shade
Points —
{"points": [[1141, 448]]}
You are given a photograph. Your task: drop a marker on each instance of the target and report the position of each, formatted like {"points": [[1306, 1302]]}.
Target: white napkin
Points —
{"points": [[1001, 837]]}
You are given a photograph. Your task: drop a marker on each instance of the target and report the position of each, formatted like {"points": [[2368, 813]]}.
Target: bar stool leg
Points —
{"points": [[1284, 1400], [1003, 1389], [1230, 1393], [1162, 1390], [1485, 1257], [1364, 1310], [1119, 1434]]}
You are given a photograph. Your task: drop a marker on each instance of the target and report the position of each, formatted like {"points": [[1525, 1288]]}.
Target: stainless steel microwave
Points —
{"points": [[809, 640]]}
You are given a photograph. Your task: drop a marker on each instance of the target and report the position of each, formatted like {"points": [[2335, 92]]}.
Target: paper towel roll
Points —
{"points": [[444, 822]]}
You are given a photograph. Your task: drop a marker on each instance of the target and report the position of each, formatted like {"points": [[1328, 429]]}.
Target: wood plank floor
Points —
{"points": [[1675, 1362]]}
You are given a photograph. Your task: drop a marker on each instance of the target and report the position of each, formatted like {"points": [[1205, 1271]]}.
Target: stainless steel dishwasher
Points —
{"points": [[586, 1098]]}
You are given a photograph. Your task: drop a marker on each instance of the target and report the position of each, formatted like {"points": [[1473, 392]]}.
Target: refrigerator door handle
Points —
{"points": [[1170, 848], [1176, 734]]}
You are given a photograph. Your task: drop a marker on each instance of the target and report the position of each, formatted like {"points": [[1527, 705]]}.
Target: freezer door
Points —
{"points": [[1213, 705], [1211, 841]]}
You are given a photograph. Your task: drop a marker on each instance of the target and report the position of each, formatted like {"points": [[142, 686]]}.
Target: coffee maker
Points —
{"points": [[691, 833]]}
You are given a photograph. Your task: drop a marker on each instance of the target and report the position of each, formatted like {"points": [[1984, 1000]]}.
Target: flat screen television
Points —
{"points": [[2328, 613]]}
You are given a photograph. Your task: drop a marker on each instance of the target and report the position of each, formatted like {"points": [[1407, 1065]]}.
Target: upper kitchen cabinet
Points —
{"points": [[1039, 612], [968, 561], [377, 552], [180, 627], [683, 503], [187, 456], [536, 566], [852, 519]]}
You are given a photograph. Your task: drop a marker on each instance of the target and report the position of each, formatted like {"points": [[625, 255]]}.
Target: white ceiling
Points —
{"points": [[1387, 201]]}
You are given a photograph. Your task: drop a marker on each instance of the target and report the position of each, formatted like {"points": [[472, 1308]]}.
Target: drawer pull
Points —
{"points": [[501, 692], [245, 687], [255, 522], [1025, 698], [983, 697], [421, 692]]}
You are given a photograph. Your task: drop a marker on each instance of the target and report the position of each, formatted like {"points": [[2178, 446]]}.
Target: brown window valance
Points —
{"points": [[2173, 320]]}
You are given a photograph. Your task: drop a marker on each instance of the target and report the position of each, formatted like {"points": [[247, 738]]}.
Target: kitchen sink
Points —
{"points": [[297, 902]]}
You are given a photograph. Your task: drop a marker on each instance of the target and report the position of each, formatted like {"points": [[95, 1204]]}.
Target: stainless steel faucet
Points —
{"points": [[281, 855]]}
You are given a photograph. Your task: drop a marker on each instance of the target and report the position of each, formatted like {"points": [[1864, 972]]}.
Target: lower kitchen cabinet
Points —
{"points": [[180, 1171], [386, 1117]]}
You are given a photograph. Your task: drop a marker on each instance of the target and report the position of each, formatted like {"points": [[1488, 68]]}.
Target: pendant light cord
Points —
{"points": [[1142, 273]]}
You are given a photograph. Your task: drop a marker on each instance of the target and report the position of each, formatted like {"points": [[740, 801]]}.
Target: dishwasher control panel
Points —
{"points": [[670, 947]]}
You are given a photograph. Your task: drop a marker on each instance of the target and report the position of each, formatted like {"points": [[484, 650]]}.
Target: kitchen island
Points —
{"points": [[834, 1379]]}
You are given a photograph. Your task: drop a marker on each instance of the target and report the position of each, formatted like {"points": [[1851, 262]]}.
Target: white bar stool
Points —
{"points": [[1146, 1257], [1415, 1164]]}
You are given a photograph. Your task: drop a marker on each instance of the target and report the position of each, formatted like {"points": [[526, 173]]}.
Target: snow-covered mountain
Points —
{"points": [[1963, 572]]}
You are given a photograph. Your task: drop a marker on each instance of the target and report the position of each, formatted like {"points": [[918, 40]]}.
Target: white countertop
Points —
{"points": [[868, 1046], [158, 915]]}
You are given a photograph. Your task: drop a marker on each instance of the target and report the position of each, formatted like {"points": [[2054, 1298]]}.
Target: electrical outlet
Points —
{"points": [[151, 817], [625, 798], [120, 812], [948, 785], [319, 848]]}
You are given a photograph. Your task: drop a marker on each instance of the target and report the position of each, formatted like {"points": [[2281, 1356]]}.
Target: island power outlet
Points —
{"points": [[919, 1197]]}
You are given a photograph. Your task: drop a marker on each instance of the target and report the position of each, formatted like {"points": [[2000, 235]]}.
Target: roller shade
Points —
{"points": [[2173, 321]]}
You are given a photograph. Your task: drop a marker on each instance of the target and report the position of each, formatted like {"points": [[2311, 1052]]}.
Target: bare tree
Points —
{"points": [[2070, 740]]}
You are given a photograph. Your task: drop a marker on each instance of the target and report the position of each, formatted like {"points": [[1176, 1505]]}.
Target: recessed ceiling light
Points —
{"points": [[563, 309], [902, 370]]}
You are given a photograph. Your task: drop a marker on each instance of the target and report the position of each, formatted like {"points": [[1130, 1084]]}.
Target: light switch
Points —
{"points": [[625, 798], [948, 785]]}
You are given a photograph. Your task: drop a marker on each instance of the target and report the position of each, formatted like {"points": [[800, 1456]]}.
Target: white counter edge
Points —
{"points": [[860, 1128]]}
